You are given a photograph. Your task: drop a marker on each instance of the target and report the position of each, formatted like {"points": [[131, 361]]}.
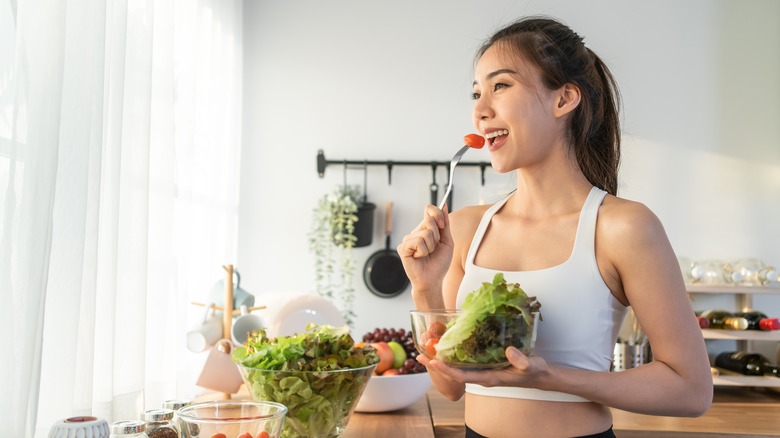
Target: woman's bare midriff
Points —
{"points": [[497, 417]]}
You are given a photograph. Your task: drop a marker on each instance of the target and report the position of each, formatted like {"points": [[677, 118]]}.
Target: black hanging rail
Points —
{"points": [[322, 163]]}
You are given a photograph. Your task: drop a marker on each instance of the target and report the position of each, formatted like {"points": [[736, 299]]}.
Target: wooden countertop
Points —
{"points": [[411, 422], [735, 412]]}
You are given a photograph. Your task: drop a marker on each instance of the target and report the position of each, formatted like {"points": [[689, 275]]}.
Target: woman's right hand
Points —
{"points": [[427, 251], [452, 389]]}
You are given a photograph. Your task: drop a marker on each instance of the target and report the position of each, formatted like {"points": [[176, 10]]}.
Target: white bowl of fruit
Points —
{"points": [[399, 381]]}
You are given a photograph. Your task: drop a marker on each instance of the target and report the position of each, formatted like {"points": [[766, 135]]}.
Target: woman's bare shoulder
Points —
{"points": [[463, 224], [624, 215], [466, 219], [628, 224]]}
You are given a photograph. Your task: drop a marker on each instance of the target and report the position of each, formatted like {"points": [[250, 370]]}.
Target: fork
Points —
{"points": [[454, 162]]}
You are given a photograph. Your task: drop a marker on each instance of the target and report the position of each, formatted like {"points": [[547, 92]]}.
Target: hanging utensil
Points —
{"points": [[434, 188], [364, 227], [384, 273]]}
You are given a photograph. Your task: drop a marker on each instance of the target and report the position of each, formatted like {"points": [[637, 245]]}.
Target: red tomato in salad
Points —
{"points": [[436, 329], [430, 347]]}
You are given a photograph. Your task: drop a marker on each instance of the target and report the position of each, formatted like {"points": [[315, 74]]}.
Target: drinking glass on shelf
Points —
{"points": [[754, 271], [715, 272], [686, 268]]}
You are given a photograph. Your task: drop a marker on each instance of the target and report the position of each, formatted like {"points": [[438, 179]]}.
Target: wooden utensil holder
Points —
{"points": [[227, 308]]}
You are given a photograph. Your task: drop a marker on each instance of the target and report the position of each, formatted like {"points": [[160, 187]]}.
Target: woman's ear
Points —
{"points": [[568, 98]]}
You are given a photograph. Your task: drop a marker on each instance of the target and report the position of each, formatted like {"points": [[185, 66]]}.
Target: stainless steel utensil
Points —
{"points": [[454, 162]]}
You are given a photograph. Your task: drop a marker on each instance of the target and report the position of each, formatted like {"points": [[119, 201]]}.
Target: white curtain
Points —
{"points": [[120, 126]]}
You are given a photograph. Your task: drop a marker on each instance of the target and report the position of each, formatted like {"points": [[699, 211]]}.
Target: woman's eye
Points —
{"points": [[476, 95]]}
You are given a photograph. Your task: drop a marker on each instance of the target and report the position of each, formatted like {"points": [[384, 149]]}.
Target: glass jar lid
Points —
{"points": [[175, 404], [158, 415], [128, 427]]}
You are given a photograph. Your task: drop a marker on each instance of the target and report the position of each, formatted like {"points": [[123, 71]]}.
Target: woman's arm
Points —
{"points": [[452, 389], [425, 250], [640, 260]]}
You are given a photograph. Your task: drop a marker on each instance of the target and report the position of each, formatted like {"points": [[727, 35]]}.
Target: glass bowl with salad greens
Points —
{"points": [[319, 375], [492, 318]]}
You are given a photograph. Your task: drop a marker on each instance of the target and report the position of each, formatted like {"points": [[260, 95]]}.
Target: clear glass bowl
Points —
{"points": [[485, 348], [232, 418], [319, 403]]}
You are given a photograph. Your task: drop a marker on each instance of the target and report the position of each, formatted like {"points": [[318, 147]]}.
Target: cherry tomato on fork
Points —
{"points": [[474, 141]]}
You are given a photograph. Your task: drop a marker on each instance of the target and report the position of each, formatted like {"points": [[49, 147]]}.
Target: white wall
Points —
{"points": [[391, 80]]}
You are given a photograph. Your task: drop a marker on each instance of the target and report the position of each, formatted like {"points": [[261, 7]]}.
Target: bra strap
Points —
{"points": [[482, 227]]}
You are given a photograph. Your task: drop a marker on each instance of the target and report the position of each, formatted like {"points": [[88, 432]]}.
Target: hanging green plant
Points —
{"points": [[331, 240]]}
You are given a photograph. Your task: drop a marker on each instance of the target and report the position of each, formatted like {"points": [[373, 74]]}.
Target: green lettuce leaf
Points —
{"points": [[477, 335]]}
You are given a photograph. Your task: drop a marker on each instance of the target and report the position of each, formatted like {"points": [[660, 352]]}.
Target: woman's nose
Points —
{"points": [[482, 109]]}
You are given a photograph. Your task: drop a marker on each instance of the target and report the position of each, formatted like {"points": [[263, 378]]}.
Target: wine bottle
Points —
{"points": [[759, 321], [702, 321], [721, 319], [749, 364]]}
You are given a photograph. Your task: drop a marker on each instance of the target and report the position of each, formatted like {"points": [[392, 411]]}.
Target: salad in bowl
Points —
{"points": [[492, 318]]}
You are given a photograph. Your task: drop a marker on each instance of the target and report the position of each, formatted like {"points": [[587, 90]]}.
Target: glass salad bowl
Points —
{"points": [[319, 403], [318, 375], [451, 337], [232, 419]]}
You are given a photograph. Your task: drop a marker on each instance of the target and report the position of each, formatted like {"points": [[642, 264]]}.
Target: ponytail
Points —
{"points": [[595, 128]]}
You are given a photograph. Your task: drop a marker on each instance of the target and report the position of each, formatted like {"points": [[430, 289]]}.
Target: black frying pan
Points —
{"points": [[384, 273]]}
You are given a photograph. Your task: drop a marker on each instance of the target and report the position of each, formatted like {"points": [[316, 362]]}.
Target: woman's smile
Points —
{"points": [[496, 138]]}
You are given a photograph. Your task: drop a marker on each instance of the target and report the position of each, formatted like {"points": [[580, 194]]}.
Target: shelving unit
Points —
{"points": [[742, 335], [744, 301], [740, 380]]}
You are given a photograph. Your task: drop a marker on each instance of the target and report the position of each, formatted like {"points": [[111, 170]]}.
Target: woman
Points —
{"points": [[548, 108]]}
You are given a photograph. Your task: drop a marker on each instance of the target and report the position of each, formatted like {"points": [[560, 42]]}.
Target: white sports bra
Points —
{"points": [[581, 316]]}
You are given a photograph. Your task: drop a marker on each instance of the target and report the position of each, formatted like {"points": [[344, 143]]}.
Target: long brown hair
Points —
{"points": [[562, 58]]}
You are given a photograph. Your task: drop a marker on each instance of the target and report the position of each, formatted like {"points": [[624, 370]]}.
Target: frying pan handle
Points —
{"points": [[388, 218], [434, 188]]}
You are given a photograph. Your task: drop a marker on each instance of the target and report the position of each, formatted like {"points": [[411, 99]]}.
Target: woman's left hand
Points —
{"points": [[524, 371]]}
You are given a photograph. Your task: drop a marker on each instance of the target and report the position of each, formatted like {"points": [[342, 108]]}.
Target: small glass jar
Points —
{"points": [[175, 405], [160, 423], [128, 429]]}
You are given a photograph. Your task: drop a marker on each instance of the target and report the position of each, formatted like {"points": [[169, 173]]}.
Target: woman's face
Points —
{"points": [[513, 110]]}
